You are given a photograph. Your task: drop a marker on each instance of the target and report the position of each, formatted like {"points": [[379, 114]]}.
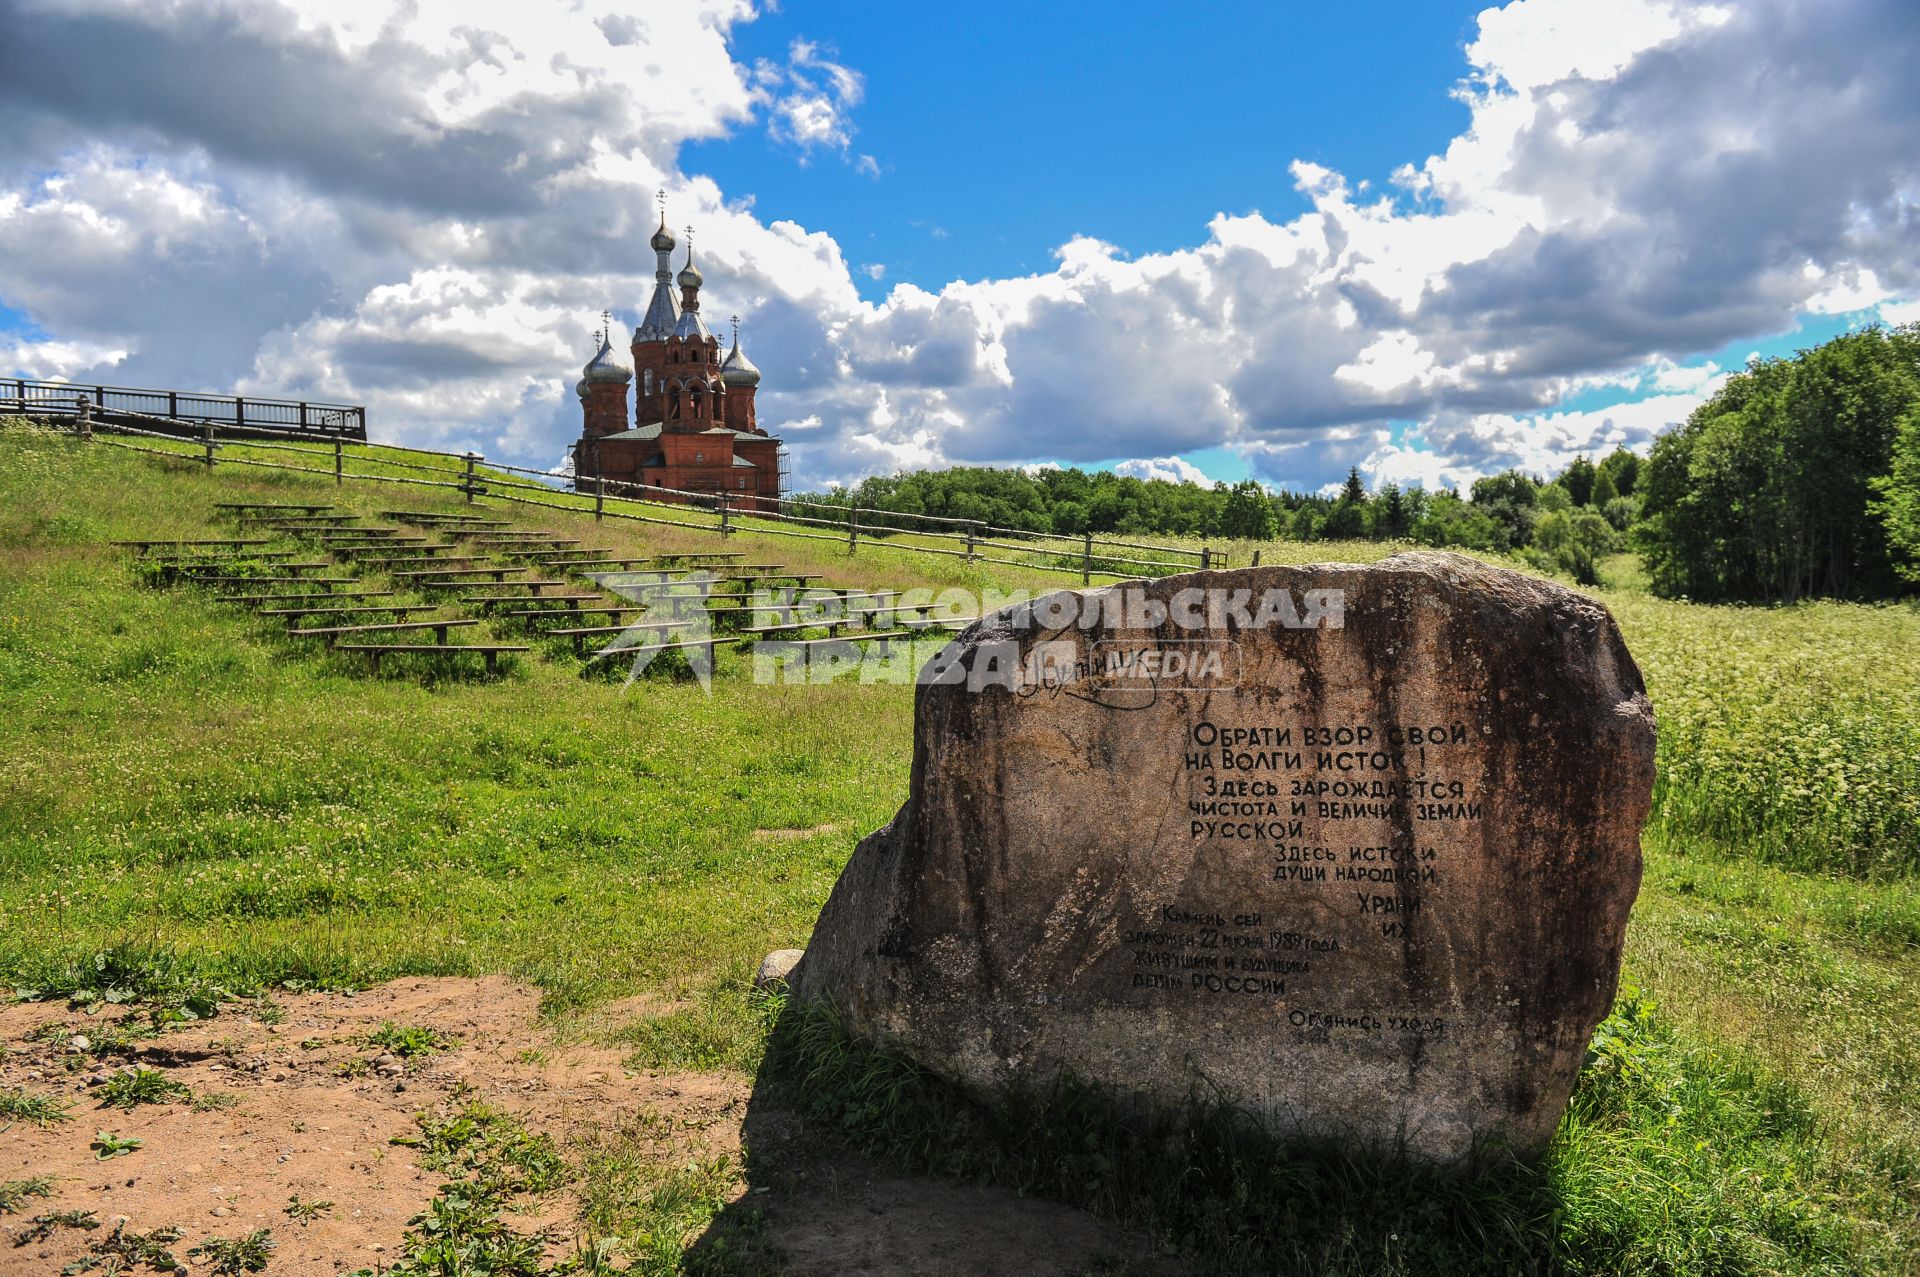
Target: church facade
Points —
{"points": [[693, 432]]}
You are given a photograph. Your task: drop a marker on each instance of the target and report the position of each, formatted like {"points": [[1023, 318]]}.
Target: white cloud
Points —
{"points": [[1172, 469], [424, 209], [1452, 451], [57, 360], [811, 100]]}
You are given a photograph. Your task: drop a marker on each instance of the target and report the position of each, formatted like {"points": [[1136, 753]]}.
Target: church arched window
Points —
{"points": [[673, 405], [646, 382]]}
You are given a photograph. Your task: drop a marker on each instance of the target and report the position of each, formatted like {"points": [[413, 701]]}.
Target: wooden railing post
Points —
{"points": [[1206, 557], [599, 485], [84, 421], [207, 436], [853, 529], [726, 513], [973, 530], [173, 403], [1086, 559], [468, 483], [239, 412], [339, 467]]}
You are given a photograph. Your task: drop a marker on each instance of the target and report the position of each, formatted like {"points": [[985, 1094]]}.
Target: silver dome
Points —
{"points": [[737, 369], [608, 366]]}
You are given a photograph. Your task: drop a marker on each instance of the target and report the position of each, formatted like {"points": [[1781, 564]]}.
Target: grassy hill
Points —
{"points": [[188, 790]]}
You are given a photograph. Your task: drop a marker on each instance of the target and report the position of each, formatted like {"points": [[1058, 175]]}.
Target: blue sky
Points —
{"points": [[1428, 240], [1002, 130]]}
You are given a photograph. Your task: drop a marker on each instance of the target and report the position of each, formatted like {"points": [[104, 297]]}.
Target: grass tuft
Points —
{"points": [[41, 1108], [408, 1041], [133, 1087], [16, 1192]]}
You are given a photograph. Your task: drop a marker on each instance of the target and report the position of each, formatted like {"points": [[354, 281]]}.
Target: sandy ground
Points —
{"points": [[314, 1108]]}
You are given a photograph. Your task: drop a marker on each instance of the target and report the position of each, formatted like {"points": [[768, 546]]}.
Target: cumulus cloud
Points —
{"points": [[811, 101], [424, 208], [1171, 469]]}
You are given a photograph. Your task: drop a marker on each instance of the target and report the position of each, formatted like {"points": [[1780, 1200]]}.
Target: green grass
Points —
{"points": [[130, 1089], [493, 1166], [232, 1256], [408, 1041], [1672, 1159], [196, 810], [15, 1193], [40, 1108]]}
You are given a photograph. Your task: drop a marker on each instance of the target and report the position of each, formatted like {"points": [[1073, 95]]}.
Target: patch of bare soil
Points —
{"points": [[308, 1109]]}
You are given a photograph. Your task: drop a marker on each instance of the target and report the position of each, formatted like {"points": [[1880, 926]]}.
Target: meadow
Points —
{"points": [[187, 791]]}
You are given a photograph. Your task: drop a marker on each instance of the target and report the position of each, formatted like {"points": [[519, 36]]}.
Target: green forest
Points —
{"points": [[1799, 478]]}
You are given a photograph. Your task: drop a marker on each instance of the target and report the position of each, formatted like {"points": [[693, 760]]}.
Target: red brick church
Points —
{"points": [[693, 429]]}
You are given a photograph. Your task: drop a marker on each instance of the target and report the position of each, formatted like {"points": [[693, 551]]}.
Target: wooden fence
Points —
{"points": [[1087, 554]]}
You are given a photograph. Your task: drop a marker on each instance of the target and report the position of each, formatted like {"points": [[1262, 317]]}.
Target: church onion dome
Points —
{"points": [[608, 366], [690, 276], [580, 388], [690, 327], [663, 238], [738, 370]]}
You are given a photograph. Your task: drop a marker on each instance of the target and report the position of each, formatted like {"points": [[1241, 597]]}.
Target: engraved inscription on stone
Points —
{"points": [[1370, 882]]}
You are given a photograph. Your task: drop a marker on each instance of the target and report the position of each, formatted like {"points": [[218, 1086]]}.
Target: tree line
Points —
{"points": [[1800, 477]]}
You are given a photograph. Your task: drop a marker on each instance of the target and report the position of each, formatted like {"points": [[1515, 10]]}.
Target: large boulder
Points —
{"points": [[1350, 848]]}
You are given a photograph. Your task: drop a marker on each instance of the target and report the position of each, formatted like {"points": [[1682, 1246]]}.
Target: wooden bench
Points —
{"points": [[792, 627], [308, 508], [467, 531], [178, 563], [230, 542], [301, 598], [485, 600], [654, 649], [771, 580], [331, 633], [579, 634], [573, 565], [300, 521], [690, 557], [455, 576], [935, 622], [374, 651], [882, 637], [564, 613], [415, 556], [566, 556], [433, 516], [289, 566], [400, 609], [521, 543], [705, 587], [368, 541], [635, 576], [846, 594], [675, 605], [206, 579]]}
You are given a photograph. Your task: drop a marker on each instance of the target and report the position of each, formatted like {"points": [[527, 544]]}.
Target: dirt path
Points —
{"points": [[306, 1108]]}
